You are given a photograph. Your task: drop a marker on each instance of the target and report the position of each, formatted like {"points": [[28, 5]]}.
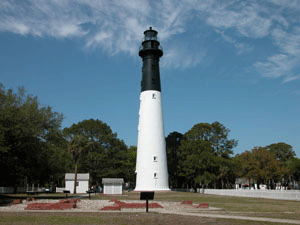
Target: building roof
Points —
{"points": [[80, 176], [112, 180]]}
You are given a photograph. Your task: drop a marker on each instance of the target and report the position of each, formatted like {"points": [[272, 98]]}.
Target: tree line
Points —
{"points": [[34, 149], [275, 163], [203, 158]]}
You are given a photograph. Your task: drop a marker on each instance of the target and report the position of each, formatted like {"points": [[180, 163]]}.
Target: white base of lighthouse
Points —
{"points": [[151, 163]]}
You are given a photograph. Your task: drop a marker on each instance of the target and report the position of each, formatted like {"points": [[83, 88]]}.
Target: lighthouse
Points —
{"points": [[151, 163]]}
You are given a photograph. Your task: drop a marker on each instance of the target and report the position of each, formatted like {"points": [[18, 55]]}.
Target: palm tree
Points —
{"points": [[78, 147]]}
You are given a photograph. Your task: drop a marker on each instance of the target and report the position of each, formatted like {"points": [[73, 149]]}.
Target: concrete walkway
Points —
{"points": [[293, 195]]}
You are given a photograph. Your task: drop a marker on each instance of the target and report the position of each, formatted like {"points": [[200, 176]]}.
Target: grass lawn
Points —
{"points": [[257, 207], [236, 206], [112, 218]]}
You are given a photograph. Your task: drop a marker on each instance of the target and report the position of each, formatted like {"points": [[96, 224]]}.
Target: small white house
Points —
{"points": [[82, 182], [243, 183], [112, 186]]}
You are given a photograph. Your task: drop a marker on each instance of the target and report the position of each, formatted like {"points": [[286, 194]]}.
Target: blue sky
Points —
{"points": [[236, 62]]}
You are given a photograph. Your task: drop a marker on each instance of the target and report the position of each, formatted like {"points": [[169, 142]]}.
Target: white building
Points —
{"points": [[112, 186], [82, 182]]}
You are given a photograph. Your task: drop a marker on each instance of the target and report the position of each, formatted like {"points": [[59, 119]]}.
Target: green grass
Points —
{"points": [[56, 218], [113, 218], [238, 204], [250, 222]]}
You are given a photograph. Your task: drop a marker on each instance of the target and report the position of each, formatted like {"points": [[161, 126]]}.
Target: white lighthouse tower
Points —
{"points": [[151, 163]]}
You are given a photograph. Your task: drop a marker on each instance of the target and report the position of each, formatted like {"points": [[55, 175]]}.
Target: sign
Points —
{"points": [[147, 195]]}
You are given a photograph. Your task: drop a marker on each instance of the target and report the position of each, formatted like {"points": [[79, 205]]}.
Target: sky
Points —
{"points": [[231, 61]]}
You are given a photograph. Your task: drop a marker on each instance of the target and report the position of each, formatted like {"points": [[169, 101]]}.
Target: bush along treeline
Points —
{"points": [[34, 149]]}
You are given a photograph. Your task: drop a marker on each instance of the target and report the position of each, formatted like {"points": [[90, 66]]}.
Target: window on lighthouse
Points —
{"points": [[155, 175], [154, 96], [155, 158]]}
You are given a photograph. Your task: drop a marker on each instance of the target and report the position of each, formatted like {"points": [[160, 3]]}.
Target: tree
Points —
{"points": [[203, 151], [60, 162], [293, 166], [227, 171], [260, 164], [283, 151], [26, 128], [129, 164], [78, 147], [216, 134], [108, 158], [172, 145], [245, 165], [286, 156], [197, 162]]}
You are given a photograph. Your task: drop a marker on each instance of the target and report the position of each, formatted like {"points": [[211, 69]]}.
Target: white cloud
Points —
{"points": [[117, 26], [256, 21], [275, 66], [246, 19], [241, 47], [291, 78], [176, 57], [288, 42], [284, 63], [294, 4], [100, 38], [20, 28], [40, 18]]}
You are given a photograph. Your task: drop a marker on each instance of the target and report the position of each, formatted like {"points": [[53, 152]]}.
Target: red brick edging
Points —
{"points": [[61, 205], [119, 205]]}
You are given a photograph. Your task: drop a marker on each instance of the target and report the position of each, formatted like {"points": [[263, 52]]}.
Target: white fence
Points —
{"points": [[25, 189], [272, 194], [60, 189], [11, 190]]}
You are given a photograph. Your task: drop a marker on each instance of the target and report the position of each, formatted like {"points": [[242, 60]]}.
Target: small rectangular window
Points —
{"points": [[154, 96], [155, 175], [155, 158]]}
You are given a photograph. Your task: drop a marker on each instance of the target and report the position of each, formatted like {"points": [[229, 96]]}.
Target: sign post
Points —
{"points": [[66, 192], [147, 195]]}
